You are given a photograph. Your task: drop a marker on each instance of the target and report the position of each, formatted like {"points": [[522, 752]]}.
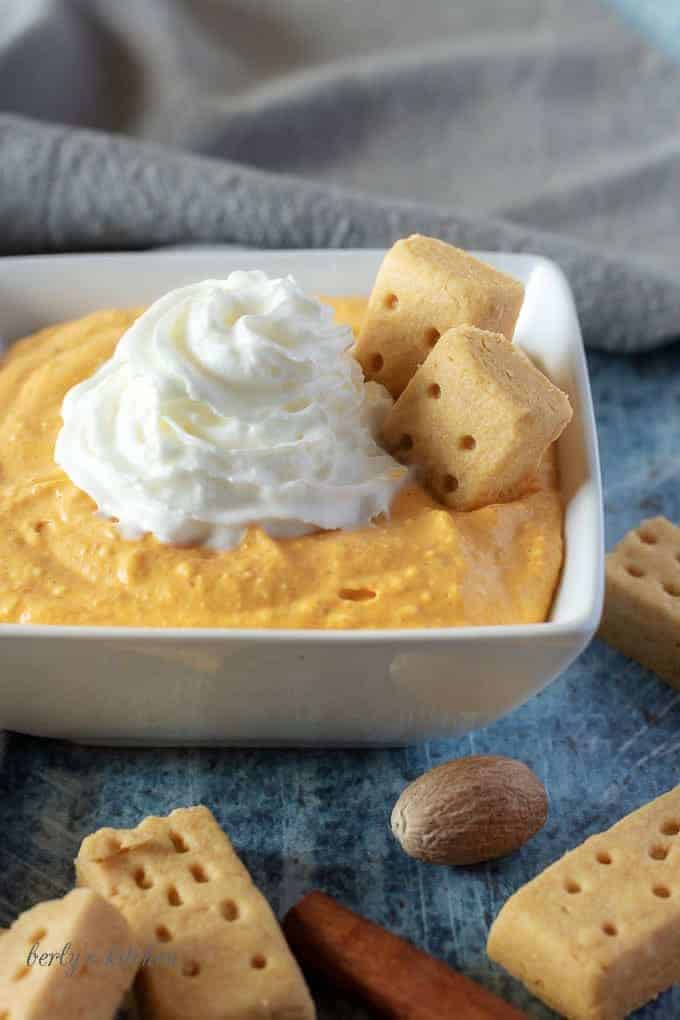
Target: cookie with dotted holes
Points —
{"points": [[423, 288], [596, 935], [476, 418], [183, 889], [642, 598]]}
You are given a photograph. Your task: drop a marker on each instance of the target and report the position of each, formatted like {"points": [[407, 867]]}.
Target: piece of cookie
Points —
{"points": [[477, 417], [597, 934], [181, 886], [423, 288], [642, 598], [66, 960]]}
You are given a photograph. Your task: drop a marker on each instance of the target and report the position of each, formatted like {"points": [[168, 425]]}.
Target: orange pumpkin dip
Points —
{"points": [[425, 566]]}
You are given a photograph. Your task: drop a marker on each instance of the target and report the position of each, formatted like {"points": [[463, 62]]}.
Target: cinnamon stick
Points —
{"points": [[389, 974]]}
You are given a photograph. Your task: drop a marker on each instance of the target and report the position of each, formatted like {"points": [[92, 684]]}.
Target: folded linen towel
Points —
{"points": [[544, 125]]}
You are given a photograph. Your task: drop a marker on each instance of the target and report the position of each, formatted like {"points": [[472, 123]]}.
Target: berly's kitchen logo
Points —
{"points": [[72, 958]]}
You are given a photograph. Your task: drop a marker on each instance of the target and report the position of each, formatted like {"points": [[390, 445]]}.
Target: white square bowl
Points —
{"points": [[300, 687]]}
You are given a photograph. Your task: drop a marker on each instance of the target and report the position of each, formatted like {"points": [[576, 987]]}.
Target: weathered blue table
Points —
{"points": [[604, 738]]}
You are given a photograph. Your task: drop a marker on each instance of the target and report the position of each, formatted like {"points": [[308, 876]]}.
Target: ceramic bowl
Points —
{"points": [[350, 687]]}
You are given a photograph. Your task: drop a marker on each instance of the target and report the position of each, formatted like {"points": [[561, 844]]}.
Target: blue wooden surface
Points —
{"points": [[604, 738], [659, 20]]}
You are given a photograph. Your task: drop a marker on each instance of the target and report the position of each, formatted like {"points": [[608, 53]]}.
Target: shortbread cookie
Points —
{"points": [[66, 960], [477, 417], [181, 886], [642, 598], [423, 288], [597, 934]]}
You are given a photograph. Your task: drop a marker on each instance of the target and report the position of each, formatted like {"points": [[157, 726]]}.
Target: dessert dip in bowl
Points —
{"points": [[240, 560]]}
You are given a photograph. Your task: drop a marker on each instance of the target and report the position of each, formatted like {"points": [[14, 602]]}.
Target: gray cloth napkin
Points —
{"points": [[536, 125]]}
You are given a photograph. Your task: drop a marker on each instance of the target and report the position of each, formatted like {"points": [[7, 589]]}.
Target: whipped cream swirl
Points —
{"points": [[228, 403]]}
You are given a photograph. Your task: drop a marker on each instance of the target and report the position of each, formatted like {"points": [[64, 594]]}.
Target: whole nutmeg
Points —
{"points": [[470, 810]]}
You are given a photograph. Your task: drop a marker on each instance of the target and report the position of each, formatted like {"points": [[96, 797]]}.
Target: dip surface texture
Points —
{"points": [[425, 566]]}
